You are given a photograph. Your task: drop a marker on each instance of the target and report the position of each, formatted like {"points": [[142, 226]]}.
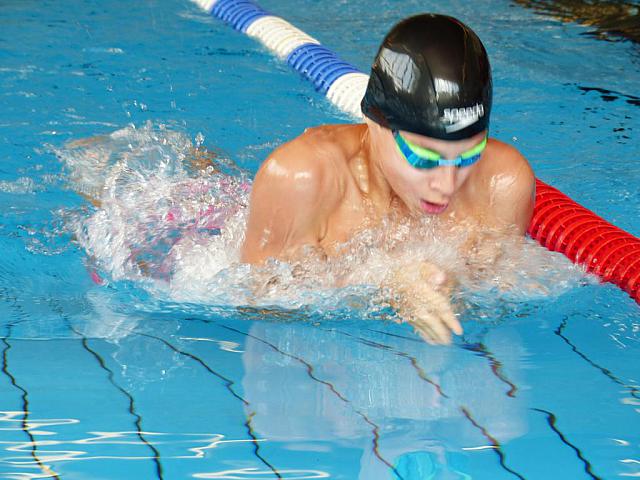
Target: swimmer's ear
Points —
{"points": [[377, 132], [376, 129], [371, 124]]}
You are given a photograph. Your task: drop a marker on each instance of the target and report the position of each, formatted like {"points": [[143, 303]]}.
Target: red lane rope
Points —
{"points": [[562, 225]]}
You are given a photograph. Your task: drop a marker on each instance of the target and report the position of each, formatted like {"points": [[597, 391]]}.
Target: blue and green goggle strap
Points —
{"points": [[420, 157]]}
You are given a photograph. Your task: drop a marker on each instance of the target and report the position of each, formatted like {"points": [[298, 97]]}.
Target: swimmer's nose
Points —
{"points": [[443, 180]]}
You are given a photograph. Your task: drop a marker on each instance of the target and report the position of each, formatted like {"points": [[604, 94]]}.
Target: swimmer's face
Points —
{"points": [[426, 191]]}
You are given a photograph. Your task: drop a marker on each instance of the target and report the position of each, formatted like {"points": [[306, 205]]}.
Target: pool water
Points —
{"points": [[107, 376]]}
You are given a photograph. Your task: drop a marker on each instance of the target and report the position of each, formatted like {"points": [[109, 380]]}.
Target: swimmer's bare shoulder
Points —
{"points": [[294, 193], [507, 183]]}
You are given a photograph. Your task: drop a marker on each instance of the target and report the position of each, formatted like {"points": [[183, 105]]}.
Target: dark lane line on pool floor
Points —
{"points": [[496, 366], [395, 335], [132, 407], [256, 445], [310, 372], [55, 306], [552, 420], [23, 316], [496, 446], [25, 406], [633, 390], [480, 349], [228, 383], [552, 424], [414, 361]]}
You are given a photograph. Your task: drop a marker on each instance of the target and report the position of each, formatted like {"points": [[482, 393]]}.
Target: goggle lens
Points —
{"points": [[420, 157]]}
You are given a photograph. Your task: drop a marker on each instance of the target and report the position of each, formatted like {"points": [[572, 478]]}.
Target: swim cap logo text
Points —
{"points": [[459, 118]]}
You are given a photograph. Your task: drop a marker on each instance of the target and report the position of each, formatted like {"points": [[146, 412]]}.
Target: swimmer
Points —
{"points": [[423, 150]]}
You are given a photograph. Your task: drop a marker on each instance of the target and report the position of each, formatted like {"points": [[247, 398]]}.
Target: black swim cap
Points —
{"points": [[432, 77]]}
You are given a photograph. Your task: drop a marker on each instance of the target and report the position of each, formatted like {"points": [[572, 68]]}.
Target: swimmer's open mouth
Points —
{"points": [[433, 208]]}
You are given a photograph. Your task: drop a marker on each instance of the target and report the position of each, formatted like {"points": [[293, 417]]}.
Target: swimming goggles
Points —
{"points": [[420, 157]]}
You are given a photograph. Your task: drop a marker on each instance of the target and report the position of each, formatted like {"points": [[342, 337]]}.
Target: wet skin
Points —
{"points": [[334, 181]]}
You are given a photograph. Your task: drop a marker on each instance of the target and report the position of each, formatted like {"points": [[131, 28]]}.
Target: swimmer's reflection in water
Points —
{"points": [[357, 386], [423, 151]]}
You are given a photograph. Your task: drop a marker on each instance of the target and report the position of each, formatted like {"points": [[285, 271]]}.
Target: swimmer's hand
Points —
{"points": [[422, 293]]}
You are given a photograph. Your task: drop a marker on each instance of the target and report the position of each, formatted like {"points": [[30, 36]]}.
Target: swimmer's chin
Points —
{"points": [[431, 208]]}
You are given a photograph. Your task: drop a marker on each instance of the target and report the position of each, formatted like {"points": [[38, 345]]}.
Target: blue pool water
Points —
{"points": [[126, 380]]}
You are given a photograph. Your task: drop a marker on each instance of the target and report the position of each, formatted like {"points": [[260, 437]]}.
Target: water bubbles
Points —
{"points": [[22, 185]]}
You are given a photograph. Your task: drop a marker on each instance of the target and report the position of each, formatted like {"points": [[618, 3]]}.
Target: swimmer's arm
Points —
{"points": [[287, 208], [421, 294]]}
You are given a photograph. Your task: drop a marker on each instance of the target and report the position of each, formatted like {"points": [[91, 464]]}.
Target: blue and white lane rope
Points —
{"points": [[342, 83]]}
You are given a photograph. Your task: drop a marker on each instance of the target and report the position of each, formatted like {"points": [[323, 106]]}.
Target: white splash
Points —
{"points": [[22, 185], [171, 218]]}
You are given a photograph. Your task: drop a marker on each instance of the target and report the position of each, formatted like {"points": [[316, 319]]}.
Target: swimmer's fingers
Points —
{"points": [[424, 301], [452, 322], [442, 330], [436, 320], [432, 330], [426, 331], [442, 305]]}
